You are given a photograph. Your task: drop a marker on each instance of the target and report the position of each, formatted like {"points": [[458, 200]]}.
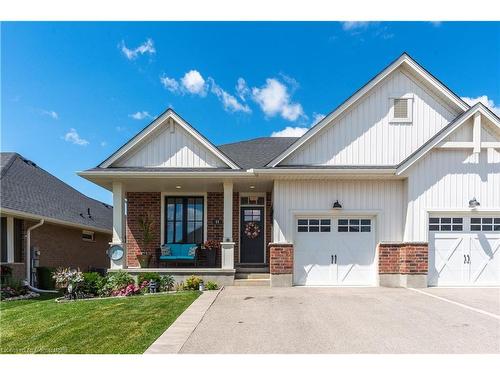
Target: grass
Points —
{"points": [[118, 325]]}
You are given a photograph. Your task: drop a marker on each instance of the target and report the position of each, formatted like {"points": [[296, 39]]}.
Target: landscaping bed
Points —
{"points": [[114, 325]]}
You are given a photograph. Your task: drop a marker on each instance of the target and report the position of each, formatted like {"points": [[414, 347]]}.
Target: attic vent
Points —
{"points": [[401, 108]]}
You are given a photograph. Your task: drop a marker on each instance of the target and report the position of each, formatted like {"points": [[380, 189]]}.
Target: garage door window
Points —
{"points": [[313, 225], [446, 224], [354, 225], [485, 224]]}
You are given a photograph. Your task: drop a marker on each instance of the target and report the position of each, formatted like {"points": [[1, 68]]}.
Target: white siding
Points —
{"points": [[176, 149], [364, 135], [448, 179], [387, 197]]}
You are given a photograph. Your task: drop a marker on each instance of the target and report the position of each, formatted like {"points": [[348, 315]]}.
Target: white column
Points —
{"points": [[476, 133], [119, 223], [10, 239], [227, 245]]}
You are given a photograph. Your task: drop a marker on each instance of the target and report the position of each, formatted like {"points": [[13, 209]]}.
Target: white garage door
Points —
{"points": [[464, 250], [334, 251]]}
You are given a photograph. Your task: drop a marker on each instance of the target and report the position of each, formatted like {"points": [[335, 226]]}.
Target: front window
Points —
{"points": [[184, 220]]}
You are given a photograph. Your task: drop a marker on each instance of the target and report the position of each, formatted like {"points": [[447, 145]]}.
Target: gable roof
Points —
{"points": [[256, 153], [403, 59], [443, 133], [27, 189], [169, 113]]}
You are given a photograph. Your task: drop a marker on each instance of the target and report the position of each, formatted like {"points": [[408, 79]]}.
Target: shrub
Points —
{"points": [[92, 284], [130, 290], [193, 282], [167, 283], [179, 287], [147, 276], [67, 276], [12, 288], [211, 285], [116, 281]]}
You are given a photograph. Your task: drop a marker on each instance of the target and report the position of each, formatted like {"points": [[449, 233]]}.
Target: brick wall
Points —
{"points": [[62, 246], [139, 204], [403, 258], [215, 211], [281, 258]]}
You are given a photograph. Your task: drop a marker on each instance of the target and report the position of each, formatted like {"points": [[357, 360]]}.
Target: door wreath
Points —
{"points": [[252, 230]]}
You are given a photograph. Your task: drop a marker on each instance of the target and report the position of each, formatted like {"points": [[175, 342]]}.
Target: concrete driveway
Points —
{"points": [[350, 320]]}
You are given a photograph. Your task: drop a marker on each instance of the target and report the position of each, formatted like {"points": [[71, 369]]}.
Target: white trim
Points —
{"points": [[254, 194], [162, 174], [182, 194], [436, 141], [325, 171], [10, 239], [409, 109], [24, 215], [169, 114], [404, 58]]}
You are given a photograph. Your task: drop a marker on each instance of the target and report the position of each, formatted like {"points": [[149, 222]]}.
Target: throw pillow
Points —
{"points": [[165, 250], [192, 251]]}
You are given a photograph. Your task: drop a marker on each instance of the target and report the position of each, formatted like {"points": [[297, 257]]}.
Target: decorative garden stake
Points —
{"points": [[201, 287]]}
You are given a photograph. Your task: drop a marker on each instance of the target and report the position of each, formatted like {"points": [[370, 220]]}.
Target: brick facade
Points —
{"points": [[140, 204], [403, 258], [280, 259], [215, 211]]}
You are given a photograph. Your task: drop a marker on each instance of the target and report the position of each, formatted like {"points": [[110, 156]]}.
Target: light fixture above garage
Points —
{"points": [[473, 203], [252, 187], [178, 187], [337, 205]]}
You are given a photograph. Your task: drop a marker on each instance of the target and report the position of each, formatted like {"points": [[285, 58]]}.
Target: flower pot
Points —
{"points": [[144, 260]]}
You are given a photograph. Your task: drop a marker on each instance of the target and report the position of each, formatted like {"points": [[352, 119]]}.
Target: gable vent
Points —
{"points": [[400, 108]]}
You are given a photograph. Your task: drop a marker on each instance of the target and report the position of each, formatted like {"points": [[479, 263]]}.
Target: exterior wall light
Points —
{"points": [[337, 205], [473, 203]]}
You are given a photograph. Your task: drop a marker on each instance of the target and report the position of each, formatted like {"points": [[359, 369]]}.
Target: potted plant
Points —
{"points": [[146, 224], [211, 248]]}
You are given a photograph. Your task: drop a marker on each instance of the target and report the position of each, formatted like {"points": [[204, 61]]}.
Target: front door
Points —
{"points": [[252, 235]]}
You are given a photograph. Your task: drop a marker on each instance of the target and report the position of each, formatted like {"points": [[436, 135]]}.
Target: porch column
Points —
{"points": [[227, 244], [119, 224]]}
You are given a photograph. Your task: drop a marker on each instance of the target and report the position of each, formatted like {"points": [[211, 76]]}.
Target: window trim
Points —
{"points": [[185, 221], [90, 233], [360, 225], [165, 194], [308, 225], [495, 221], [409, 118], [451, 224]]}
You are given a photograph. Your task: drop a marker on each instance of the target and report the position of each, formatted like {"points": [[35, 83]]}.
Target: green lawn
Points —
{"points": [[118, 325]]}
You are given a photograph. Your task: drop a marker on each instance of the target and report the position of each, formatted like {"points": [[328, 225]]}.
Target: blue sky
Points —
{"points": [[72, 93]]}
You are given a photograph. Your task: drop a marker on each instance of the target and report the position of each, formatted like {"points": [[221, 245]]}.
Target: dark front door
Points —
{"points": [[252, 235]]}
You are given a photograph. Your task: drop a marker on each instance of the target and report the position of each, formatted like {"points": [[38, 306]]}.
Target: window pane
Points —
{"points": [[170, 211], [445, 220], [457, 220], [199, 211], [457, 228], [366, 222], [353, 228], [260, 200], [170, 232], [248, 218], [475, 227], [475, 220], [487, 220], [353, 221], [325, 228], [314, 229], [365, 228], [178, 211], [343, 222], [190, 232], [198, 238], [343, 228], [314, 222], [325, 222], [433, 227], [244, 200], [248, 212], [445, 227], [178, 231], [302, 229], [496, 220], [496, 228], [487, 228], [434, 220], [302, 221]]}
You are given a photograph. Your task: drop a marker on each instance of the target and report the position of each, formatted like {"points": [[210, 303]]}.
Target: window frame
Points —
{"points": [[89, 233], [441, 222], [354, 222], [495, 223], [409, 118], [323, 225], [185, 220]]}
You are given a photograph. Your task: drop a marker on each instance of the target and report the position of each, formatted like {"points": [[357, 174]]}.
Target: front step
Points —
{"points": [[252, 269], [252, 282], [252, 275]]}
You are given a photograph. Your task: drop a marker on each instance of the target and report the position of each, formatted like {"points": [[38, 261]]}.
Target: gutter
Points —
{"points": [[324, 171], [162, 174], [28, 250]]}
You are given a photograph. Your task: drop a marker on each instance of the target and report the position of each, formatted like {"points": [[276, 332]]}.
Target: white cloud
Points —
{"points": [[290, 131], [141, 115], [73, 137], [52, 114], [132, 54], [317, 117], [170, 84], [194, 83], [273, 98], [230, 103], [242, 89], [485, 100], [355, 25]]}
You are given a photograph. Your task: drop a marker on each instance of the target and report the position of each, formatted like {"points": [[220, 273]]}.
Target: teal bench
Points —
{"points": [[179, 253]]}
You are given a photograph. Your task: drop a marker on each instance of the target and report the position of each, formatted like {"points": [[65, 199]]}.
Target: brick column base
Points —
{"points": [[403, 264], [281, 264]]}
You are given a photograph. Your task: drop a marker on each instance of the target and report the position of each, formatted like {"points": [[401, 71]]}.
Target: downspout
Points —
{"points": [[28, 250]]}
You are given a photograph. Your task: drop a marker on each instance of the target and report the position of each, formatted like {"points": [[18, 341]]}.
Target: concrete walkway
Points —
{"points": [[349, 320], [172, 340]]}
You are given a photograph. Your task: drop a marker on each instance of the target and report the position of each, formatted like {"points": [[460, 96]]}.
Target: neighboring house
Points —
{"points": [[68, 228], [398, 186]]}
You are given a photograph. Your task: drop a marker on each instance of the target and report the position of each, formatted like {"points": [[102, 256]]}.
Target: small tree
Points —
{"points": [[146, 226]]}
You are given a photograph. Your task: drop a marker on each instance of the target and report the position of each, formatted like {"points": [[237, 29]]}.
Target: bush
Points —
{"points": [[67, 276], [45, 280], [167, 283], [179, 287], [148, 276], [116, 281], [211, 285], [93, 283], [131, 289], [193, 282]]}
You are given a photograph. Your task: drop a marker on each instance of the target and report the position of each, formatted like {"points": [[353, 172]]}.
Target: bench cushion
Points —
{"points": [[180, 252], [180, 257]]}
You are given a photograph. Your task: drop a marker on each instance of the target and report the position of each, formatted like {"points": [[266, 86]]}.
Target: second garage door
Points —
{"points": [[334, 251]]}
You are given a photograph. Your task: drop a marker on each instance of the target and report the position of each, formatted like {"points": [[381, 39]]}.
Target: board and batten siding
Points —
{"points": [[447, 180], [386, 197], [175, 149], [365, 136]]}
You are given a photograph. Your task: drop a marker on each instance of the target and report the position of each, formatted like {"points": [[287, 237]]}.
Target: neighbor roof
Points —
{"points": [[256, 153], [28, 189]]}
